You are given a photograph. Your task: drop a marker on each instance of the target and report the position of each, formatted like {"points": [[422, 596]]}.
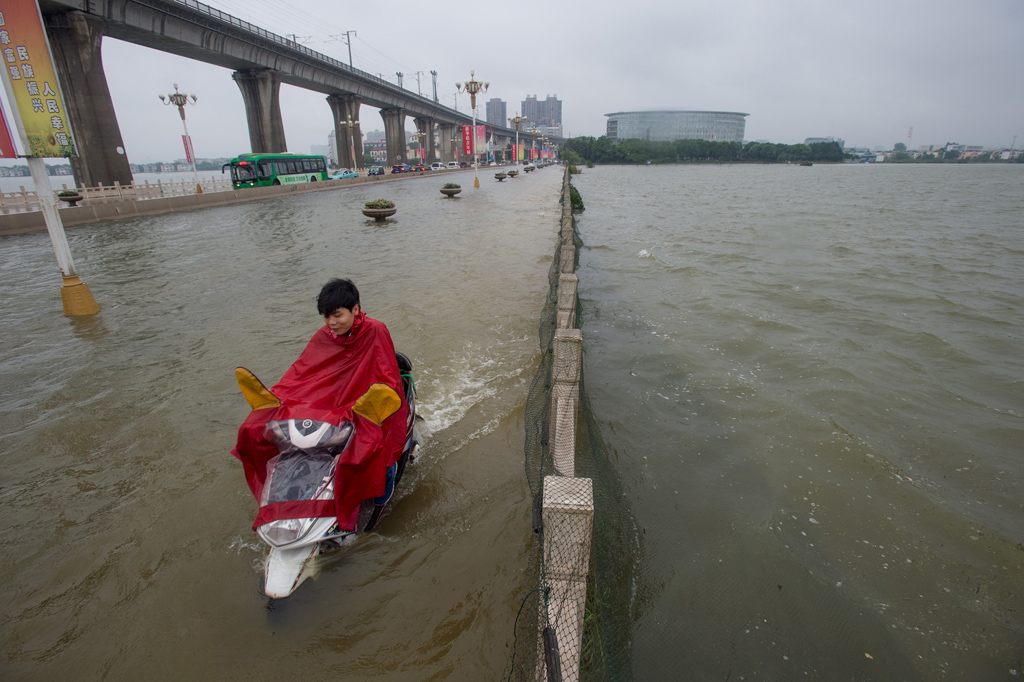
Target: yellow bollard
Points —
{"points": [[77, 298]]}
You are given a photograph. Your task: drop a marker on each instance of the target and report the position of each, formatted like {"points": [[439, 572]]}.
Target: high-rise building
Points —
{"points": [[543, 113], [497, 112]]}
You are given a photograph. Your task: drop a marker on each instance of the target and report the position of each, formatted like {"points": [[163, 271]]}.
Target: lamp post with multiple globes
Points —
{"points": [[180, 99], [517, 119], [473, 86], [351, 125]]}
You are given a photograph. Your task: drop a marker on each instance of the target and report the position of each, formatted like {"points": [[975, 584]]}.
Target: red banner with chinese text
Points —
{"points": [[7, 150], [467, 140]]}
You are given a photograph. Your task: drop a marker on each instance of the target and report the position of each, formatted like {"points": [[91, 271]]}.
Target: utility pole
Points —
{"points": [[910, 134], [418, 74], [433, 75], [348, 41], [399, 74]]}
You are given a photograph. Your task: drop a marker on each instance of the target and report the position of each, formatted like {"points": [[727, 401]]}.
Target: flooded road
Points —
{"points": [[127, 549]]}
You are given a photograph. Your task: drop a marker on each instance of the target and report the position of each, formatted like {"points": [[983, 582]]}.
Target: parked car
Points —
{"points": [[375, 170], [418, 167], [344, 173], [437, 165], [453, 164], [401, 168], [465, 165]]}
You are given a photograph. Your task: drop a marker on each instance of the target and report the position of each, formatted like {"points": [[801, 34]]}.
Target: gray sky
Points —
{"points": [[864, 71]]}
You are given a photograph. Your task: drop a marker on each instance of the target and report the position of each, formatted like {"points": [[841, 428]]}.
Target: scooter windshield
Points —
{"points": [[304, 469]]}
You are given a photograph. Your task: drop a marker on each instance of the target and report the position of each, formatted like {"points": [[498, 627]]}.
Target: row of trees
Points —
{"points": [[602, 150]]}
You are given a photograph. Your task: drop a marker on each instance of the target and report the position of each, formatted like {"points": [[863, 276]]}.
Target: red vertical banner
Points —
{"points": [[481, 139], [188, 147], [467, 140], [7, 150]]}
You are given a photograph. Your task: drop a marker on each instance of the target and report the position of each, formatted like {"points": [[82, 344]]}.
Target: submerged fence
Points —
{"points": [[550, 627]]}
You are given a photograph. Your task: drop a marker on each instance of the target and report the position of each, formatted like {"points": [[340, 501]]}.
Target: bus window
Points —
{"points": [[321, 167], [307, 165], [240, 173], [265, 170]]}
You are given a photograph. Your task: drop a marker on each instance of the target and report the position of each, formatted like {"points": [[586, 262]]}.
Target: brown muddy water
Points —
{"points": [[127, 548], [809, 383]]}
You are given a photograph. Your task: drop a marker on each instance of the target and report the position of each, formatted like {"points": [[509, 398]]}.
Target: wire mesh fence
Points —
{"points": [[575, 624]]}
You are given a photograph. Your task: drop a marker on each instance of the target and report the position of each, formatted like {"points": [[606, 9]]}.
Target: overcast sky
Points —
{"points": [[863, 71]]}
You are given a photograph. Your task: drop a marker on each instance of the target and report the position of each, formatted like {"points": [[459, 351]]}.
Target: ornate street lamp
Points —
{"points": [[473, 86], [421, 139], [351, 125], [517, 119], [542, 140], [180, 99]]}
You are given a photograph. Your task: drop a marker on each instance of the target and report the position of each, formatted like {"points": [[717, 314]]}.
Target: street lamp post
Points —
{"points": [[473, 86], [180, 99], [517, 119], [542, 141], [421, 139], [351, 125]]}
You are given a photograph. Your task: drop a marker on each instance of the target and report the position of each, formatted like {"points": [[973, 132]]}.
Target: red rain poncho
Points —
{"points": [[333, 375]]}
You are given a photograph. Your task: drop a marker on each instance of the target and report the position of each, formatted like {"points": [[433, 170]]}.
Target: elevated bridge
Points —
{"points": [[260, 61]]}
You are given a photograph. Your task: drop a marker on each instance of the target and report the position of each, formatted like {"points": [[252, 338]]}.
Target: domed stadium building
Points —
{"points": [[665, 126]]}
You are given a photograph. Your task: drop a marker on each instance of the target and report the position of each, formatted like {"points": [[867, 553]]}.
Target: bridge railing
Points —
{"points": [[28, 200], [290, 44]]}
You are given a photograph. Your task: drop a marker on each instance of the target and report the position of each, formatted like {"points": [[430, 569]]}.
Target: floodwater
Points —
{"points": [[809, 383], [127, 547]]}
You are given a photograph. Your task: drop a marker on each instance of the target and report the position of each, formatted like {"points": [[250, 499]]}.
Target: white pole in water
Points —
{"points": [[74, 294]]}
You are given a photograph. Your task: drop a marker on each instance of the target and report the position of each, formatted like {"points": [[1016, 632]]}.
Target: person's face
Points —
{"points": [[340, 321]]}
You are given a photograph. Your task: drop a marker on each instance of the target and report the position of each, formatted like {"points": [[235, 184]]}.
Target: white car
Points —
{"points": [[453, 164], [437, 165]]}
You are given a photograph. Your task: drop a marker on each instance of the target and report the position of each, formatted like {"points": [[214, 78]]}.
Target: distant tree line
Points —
{"points": [[22, 170], [579, 150]]}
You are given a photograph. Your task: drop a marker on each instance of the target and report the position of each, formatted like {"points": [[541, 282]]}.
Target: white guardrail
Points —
{"points": [[28, 200]]}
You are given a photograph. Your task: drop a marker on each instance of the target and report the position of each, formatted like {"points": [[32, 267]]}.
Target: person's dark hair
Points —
{"points": [[338, 293]]}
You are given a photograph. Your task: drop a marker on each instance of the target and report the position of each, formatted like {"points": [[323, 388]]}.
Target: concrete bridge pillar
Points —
{"points": [[75, 39], [261, 92], [343, 107], [394, 135], [425, 124], [448, 133]]}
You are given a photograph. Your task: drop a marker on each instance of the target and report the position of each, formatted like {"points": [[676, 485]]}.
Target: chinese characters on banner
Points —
{"points": [[188, 147], [467, 140], [31, 81], [481, 139]]}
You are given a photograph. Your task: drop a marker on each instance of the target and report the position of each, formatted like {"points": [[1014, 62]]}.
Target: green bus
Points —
{"points": [[260, 170]]}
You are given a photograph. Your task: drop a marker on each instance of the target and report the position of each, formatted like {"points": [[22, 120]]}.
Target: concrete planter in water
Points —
{"points": [[500, 176], [379, 214], [450, 191]]}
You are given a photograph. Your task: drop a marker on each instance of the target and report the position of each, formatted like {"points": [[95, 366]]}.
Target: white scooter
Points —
{"points": [[304, 470]]}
